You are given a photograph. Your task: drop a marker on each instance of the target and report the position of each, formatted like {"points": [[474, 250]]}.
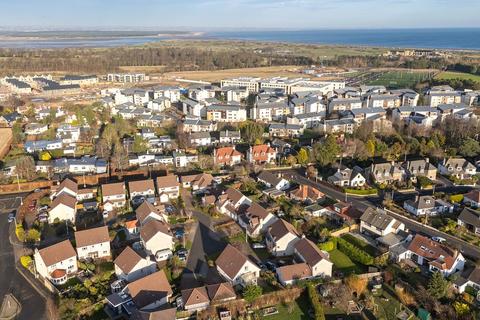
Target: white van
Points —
{"points": [[163, 255]]}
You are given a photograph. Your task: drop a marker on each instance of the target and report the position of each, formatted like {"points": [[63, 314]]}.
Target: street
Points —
{"points": [[362, 203]]}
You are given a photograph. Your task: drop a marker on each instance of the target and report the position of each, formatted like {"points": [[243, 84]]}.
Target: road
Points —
{"points": [[33, 304], [362, 203]]}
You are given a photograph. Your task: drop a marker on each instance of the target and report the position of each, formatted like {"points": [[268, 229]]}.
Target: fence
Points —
{"points": [[344, 230]]}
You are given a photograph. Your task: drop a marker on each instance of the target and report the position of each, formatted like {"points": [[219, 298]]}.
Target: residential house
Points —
{"points": [[421, 168], [56, 263], [147, 211], [195, 299], [93, 243], [306, 193], [229, 137], [35, 128], [221, 292], [226, 156], [285, 129], [342, 104], [231, 202], [168, 188], [156, 236], [62, 208], [386, 172], [198, 125], [347, 177], [67, 186], [260, 154], [472, 198], [226, 113], [275, 181], [471, 279], [130, 266], [200, 139], [438, 257], [236, 267], [256, 219], [113, 196], [343, 125], [378, 223], [457, 167], [281, 238], [141, 190], [289, 274], [469, 219], [150, 292], [198, 182], [427, 205]]}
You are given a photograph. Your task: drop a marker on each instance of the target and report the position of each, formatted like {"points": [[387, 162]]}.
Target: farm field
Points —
{"points": [[399, 79], [457, 75]]}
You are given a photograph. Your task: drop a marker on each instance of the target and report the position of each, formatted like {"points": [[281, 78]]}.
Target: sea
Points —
{"points": [[454, 38]]}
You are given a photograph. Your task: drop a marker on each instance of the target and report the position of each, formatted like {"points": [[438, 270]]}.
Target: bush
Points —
{"points": [[26, 261], [361, 192], [424, 182], [315, 302], [354, 253], [252, 292], [20, 233], [329, 245], [456, 198]]}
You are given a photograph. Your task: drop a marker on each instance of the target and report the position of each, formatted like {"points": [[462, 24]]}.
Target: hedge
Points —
{"points": [[26, 261], [456, 198], [315, 302], [354, 253], [361, 192]]}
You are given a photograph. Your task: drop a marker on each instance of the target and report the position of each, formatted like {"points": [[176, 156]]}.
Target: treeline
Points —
{"points": [[91, 60], [458, 84], [466, 68]]}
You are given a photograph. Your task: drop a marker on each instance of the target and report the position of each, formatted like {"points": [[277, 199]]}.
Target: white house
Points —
{"points": [[57, 262], [273, 181], [150, 292], [348, 178], [427, 205], [168, 187], [281, 238], [147, 211], [142, 189], [458, 167], [256, 220], [113, 196], [156, 236], [130, 266], [237, 268], [229, 202], [318, 260], [377, 223], [93, 243], [62, 208]]}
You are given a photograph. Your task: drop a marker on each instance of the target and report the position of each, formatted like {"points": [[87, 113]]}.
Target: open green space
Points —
{"points": [[360, 244], [400, 79], [298, 310], [457, 75]]}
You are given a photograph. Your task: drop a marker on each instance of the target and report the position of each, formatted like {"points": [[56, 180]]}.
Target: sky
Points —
{"points": [[204, 15]]}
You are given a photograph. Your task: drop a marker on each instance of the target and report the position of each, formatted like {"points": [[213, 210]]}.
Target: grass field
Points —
{"points": [[360, 244], [343, 263], [457, 75], [299, 312], [399, 79]]}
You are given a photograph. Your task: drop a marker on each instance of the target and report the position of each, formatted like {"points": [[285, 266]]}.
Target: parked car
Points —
{"points": [[439, 239], [271, 266], [163, 255], [182, 257], [42, 208], [182, 251], [11, 216], [258, 245], [179, 233]]}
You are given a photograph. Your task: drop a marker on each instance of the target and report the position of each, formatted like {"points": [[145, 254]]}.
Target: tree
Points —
{"points": [[469, 148], [139, 144], [120, 158], [303, 156], [438, 285], [251, 131], [356, 284], [25, 168], [45, 156], [33, 235], [291, 160], [17, 132], [327, 151], [252, 292]]}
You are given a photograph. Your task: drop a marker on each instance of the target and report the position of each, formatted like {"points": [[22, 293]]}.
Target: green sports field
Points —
{"points": [[399, 79], [457, 75]]}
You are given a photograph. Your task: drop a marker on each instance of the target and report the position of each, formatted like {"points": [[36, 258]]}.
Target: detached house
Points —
{"points": [[318, 261], [377, 223], [62, 208], [427, 205], [421, 168], [198, 182], [437, 256], [231, 201], [141, 190], [348, 178], [471, 279], [273, 181], [469, 219], [156, 236], [93, 243], [256, 219], [226, 156], [57, 262], [147, 211], [130, 266], [150, 292], [113, 196], [457, 167], [67, 186], [472, 198], [306, 193], [386, 172], [237, 268], [168, 188], [281, 238], [261, 154], [195, 299]]}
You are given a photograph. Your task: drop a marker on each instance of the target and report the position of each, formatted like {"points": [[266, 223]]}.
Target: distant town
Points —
{"points": [[308, 196]]}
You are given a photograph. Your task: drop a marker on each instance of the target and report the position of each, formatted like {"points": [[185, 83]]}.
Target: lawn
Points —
{"points": [[400, 79], [360, 244], [447, 75], [299, 311], [343, 263]]}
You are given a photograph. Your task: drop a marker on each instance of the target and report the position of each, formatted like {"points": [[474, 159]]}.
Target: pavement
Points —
{"points": [[362, 203], [11, 282]]}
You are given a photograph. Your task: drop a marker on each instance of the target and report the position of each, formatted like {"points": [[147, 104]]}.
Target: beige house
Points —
{"points": [[156, 236], [93, 243], [236, 267], [63, 208], [113, 196], [150, 292], [318, 260], [168, 188], [281, 238], [130, 266], [142, 189], [57, 262]]}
